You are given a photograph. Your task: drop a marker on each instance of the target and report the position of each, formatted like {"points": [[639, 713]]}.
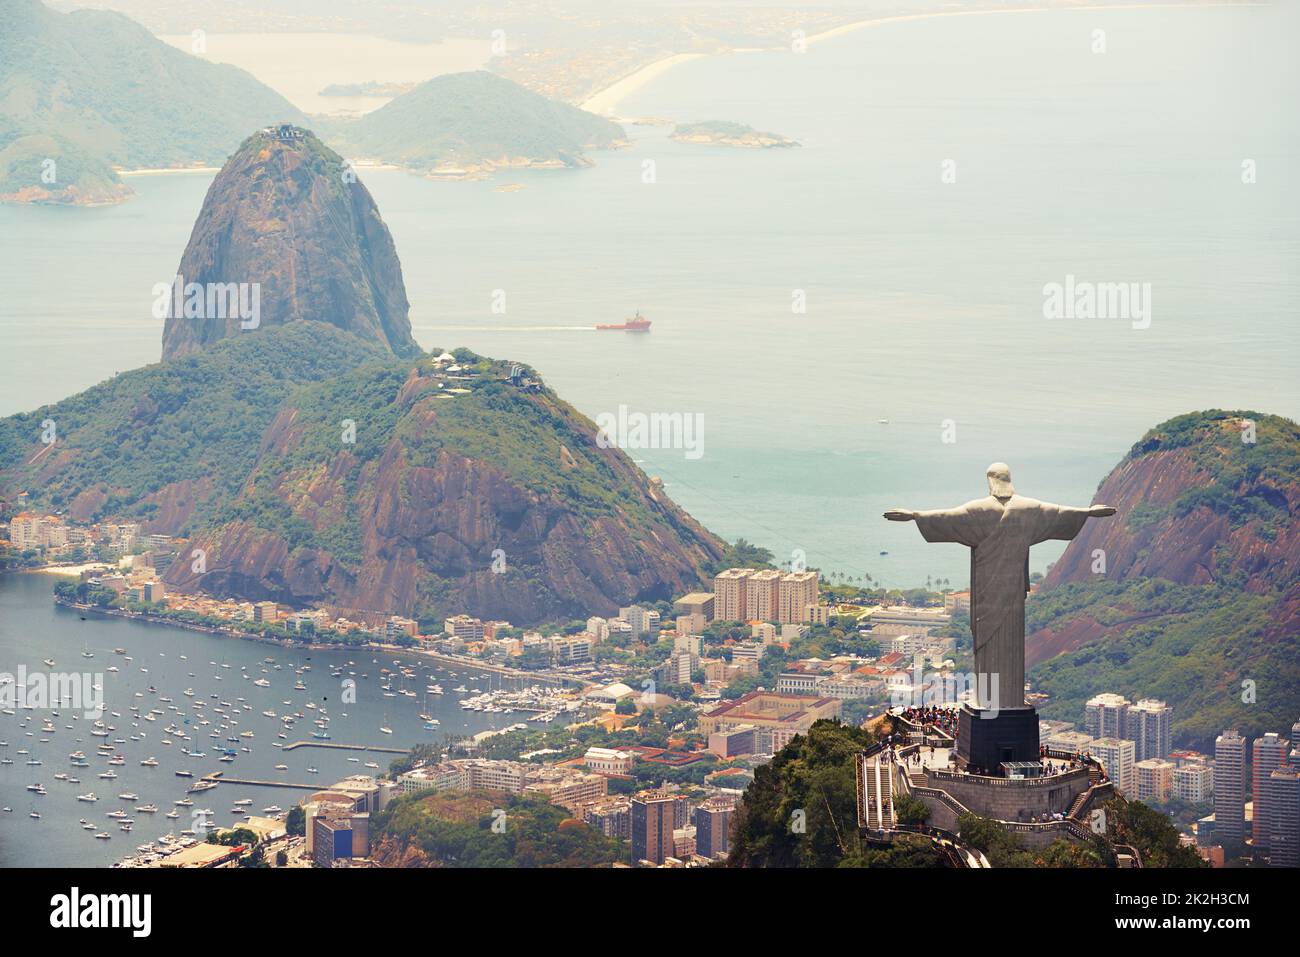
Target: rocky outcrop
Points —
{"points": [[288, 228], [389, 851], [540, 525], [1197, 505]]}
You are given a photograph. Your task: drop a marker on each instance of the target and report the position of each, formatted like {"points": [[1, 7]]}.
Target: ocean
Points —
{"points": [[950, 169]]}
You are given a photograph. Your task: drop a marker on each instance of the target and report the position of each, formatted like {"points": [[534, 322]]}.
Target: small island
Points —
{"points": [[369, 88], [464, 126], [41, 169], [723, 133]]}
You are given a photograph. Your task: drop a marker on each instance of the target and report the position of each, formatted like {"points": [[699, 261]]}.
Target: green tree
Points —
{"points": [[802, 809], [911, 811]]}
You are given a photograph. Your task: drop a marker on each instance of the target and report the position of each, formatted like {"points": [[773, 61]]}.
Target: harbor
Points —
{"points": [[199, 728]]}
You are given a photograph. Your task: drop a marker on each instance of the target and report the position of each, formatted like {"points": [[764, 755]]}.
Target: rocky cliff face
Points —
{"points": [[1197, 506], [389, 851], [300, 238], [495, 500]]}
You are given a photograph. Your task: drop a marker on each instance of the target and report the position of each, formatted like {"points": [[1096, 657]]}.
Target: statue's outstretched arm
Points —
{"points": [[1064, 522]]}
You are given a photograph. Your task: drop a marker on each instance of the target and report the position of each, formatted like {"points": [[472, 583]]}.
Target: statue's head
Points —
{"points": [[999, 476]]}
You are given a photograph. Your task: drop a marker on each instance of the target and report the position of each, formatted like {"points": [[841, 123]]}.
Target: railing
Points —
{"points": [[949, 844], [921, 729], [1078, 773], [904, 782], [1137, 858], [1084, 801], [1071, 827], [944, 797]]}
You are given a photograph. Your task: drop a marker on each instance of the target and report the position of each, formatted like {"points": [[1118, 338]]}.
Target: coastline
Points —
{"points": [[604, 101], [194, 626], [167, 170], [232, 632], [70, 570], [1099, 7]]}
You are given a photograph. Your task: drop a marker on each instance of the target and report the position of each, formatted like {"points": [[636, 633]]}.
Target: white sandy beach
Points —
{"points": [[168, 171], [73, 570], [907, 18], [604, 101]]}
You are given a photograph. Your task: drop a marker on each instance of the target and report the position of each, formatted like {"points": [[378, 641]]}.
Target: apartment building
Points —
{"points": [[1116, 756], [1283, 790], [1230, 788], [797, 595], [463, 627], [396, 627], [1268, 754], [611, 815], [712, 821], [1106, 716], [1155, 780], [653, 822], [696, 603], [730, 591], [1150, 728], [565, 787], [762, 594], [1193, 783]]}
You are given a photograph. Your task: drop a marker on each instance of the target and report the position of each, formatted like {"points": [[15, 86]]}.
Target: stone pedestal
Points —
{"points": [[985, 742]]}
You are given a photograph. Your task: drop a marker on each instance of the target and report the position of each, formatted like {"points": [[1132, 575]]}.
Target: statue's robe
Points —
{"points": [[999, 536]]}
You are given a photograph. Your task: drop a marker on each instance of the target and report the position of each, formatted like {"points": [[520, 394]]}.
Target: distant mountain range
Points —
{"points": [[93, 89], [86, 91], [1199, 599]]}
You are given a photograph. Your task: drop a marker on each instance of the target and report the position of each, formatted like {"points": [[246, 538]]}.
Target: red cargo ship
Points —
{"points": [[637, 324]]}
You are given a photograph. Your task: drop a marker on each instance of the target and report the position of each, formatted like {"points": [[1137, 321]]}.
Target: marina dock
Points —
{"points": [[344, 747], [217, 778]]}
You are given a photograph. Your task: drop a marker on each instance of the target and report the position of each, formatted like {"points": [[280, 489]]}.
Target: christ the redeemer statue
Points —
{"points": [[999, 530]]}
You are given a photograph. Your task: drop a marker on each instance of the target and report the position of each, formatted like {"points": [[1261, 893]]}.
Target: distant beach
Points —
{"points": [[168, 170], [604, 101], [904, 18], [608, 98], [73, 570]]}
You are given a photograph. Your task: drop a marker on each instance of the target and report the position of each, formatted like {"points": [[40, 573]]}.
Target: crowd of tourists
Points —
{"points": [[943, 719]]}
